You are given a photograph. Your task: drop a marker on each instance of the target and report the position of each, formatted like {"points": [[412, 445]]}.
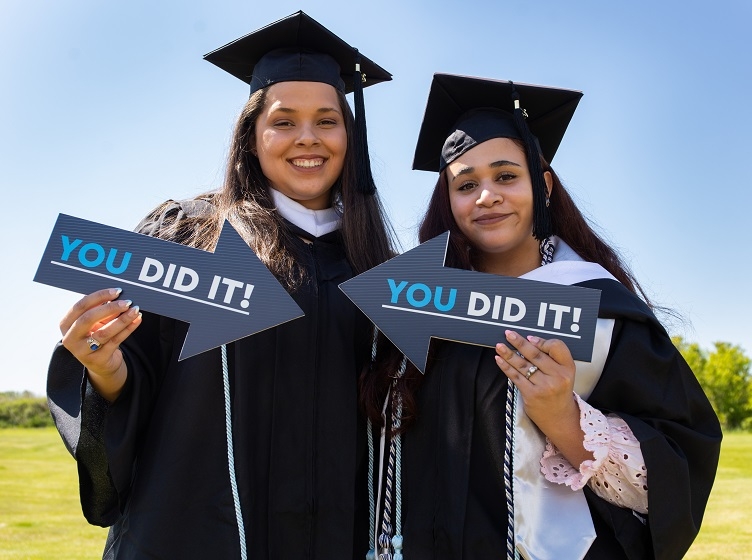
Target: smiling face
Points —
{"points": [[301, 141], [491, 196]]}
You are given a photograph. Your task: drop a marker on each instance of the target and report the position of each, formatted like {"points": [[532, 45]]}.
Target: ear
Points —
{"points": [[549, 179]]}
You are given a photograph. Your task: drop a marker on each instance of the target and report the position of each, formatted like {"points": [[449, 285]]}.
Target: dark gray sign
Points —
{"points": [[224, 295], [413, 297]]}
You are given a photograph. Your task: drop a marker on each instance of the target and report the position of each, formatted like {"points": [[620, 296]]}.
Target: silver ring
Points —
{"points": [[530, 371], [93, 344]]}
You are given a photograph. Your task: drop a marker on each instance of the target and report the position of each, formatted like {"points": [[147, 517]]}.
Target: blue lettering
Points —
{"points": [[449, 304], [91, 263], [68, 246], [111, 262], [411, 295], [396, 289]]}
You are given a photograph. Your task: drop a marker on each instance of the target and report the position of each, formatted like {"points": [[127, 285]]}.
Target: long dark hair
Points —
{"points": [[245, 201]]}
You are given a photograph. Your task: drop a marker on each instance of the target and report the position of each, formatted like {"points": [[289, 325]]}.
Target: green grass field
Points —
{"points": [[727, 527], [40, 516]]}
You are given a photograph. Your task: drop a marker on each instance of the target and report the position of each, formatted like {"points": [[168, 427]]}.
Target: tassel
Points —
{"points": [[364, 177], [542, 227], [390, 538]]}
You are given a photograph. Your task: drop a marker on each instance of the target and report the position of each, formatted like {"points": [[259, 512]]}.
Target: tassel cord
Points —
{"points": [[231, 455]]}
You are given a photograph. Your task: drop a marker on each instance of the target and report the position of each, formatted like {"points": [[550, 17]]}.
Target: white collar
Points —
{"points": [[315, 222], [567, 267]]}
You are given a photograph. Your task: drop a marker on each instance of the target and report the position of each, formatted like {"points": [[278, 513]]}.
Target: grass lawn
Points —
{"points": [[40, 516], [727, 526]]}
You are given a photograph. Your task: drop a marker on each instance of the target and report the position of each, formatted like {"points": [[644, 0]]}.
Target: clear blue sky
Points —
{"points": [[107, 109]]}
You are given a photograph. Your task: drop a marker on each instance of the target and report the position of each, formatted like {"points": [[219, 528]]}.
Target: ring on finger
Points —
{"points": [[530, 371], [94, 345]]}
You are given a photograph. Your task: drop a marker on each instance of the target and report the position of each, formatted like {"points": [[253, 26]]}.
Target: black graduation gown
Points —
{"points": [[154, 464], [453, 504]]}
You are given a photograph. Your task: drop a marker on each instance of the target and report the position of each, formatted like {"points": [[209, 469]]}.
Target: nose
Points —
{"points": [[488, 197], [307, 135]]}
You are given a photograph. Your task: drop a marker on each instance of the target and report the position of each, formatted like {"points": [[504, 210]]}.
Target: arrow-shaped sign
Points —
{"points": [[224, 295], [413, 297]]}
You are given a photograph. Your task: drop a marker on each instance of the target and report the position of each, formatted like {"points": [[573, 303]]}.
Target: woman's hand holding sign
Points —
{"points": [[543, 371], [93, 330]]}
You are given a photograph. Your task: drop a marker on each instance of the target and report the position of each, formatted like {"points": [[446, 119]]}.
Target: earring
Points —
{"points": [[548, 202]]}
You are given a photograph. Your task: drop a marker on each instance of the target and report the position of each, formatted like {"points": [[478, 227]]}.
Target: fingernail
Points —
{"points": [[116, 291], [533, 339], [502, 348], [134, 311], [511, 335], [125, 304]]}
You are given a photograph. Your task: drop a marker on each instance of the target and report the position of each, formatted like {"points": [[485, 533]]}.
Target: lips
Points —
{"points": [[307, 163], [491, 218]]}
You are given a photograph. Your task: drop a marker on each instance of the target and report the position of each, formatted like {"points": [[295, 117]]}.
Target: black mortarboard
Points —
{"points": [[548, 109], [464, 111], [299, 49]]}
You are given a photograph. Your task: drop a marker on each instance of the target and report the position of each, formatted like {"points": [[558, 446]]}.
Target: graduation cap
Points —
{"points": [[299, 49], [464, 111]]}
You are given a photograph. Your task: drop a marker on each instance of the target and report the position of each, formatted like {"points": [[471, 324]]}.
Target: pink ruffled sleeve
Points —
{"points": [[617, 474]]}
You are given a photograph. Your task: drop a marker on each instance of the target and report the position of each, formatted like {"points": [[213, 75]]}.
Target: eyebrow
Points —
{"points": [[322, 110], [500, 163]]}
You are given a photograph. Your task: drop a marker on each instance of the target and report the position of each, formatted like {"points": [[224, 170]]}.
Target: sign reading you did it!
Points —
{"points": [[413, 297], [225, 295]]}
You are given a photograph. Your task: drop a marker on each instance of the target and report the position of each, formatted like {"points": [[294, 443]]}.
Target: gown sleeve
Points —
{"points": [[78, 412], [617, 473], [647, 383], [103, 437]]}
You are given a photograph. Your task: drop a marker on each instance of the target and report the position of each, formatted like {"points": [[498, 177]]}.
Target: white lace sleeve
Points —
{"points": [[617, 474]]}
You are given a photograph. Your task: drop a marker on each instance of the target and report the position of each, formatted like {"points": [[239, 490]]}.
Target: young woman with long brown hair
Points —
{"points": [[254, 449], [519, 449]]}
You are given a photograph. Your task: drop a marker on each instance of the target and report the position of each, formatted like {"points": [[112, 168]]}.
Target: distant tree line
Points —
{"points": [[724, 374], [23, 410]]}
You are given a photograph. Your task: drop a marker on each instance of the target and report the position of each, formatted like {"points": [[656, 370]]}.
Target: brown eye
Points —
{"points": [[506, 176]]}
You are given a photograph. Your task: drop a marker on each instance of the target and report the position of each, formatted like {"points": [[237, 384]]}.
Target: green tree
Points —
{"points": [[695, 356], [726, 379]]}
